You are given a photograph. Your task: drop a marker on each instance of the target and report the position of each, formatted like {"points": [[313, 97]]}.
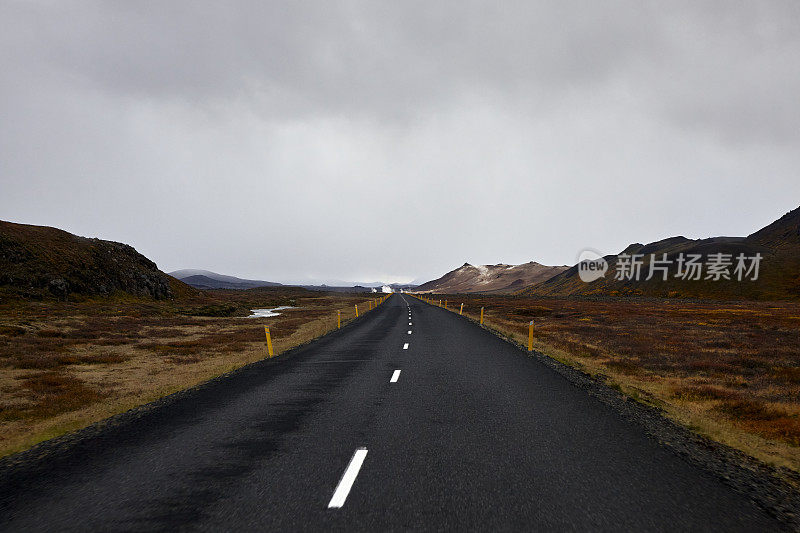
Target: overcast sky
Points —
{"points": [[377, 141]]}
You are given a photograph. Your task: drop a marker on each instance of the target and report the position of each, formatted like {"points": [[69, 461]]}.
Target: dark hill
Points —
{"points": [[38, 261], [779, 271]]}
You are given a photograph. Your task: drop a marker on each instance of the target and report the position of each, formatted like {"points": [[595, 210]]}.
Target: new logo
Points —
{"points": [[591, 265]]}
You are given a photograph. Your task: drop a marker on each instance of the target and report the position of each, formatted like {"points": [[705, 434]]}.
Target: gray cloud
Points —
{"points": [[362, 140]]}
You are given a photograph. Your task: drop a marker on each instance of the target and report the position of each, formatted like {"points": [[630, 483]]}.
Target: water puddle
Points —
{"points": [[266, 313]]}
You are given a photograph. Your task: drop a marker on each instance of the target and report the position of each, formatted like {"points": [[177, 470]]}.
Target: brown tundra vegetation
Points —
{"points": [[64, 365]]}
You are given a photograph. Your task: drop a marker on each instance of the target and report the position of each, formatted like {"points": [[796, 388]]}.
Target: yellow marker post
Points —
{"points": [[370, 304], [338, 320], [461, 311], [269, 342], [481, 316], [440, 303], [356, 310], [445, 304], [530, 336]]}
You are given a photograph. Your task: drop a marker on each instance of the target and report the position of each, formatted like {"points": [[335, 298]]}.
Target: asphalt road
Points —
{"points": [[471, 434]]}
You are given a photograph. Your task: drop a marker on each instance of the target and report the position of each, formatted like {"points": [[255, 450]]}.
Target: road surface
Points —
{"points": [[409, 418]]}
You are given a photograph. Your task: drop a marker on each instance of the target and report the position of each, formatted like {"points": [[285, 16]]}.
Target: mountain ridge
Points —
{"points": [[205, 279], [778, 243]]}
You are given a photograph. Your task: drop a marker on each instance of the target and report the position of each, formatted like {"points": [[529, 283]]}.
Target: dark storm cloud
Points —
{"points": [[368, 139]]}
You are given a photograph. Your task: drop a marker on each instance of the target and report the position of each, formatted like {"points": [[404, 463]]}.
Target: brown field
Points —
{"points": [[728, 370], [66, 365]]}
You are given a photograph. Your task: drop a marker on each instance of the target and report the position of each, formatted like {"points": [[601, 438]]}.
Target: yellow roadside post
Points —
{"points": [[461, 311], [445, 304], [481, 316], [338, 320], [269, 342], [530, 336], [440, 303], [356, 310], [370, 304]]}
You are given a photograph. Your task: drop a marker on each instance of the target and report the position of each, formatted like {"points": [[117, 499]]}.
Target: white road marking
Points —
{"points": [[409, 323], [409, 332], [405, 346], [348, 478], [395, 376]]}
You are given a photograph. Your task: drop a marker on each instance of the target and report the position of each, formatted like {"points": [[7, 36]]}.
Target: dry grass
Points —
{"points": [[66, 365], [730, 370]]}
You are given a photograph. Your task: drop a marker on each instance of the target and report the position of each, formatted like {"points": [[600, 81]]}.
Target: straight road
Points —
{"points": [[411, 418]]}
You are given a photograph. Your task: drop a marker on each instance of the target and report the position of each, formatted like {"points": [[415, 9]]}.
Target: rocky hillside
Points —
{"points": [[495, 279], [778, 271], [40, 262]]}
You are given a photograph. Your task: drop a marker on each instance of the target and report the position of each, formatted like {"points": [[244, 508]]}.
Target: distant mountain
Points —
{"points": [[342, 283], [396, 287], [496, 279], [41, 262], [778, 277], [205, 279]]}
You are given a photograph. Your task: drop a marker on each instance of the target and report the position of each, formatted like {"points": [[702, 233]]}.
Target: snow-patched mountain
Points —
{"points": [[499, 278]]}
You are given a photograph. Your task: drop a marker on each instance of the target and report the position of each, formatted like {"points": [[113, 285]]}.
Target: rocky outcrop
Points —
{"points": [[37, 261]]}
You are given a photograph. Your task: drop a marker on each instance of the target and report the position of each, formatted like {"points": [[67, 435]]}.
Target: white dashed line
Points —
{"points": [[395, 376], [349, 477], [409, 332], [405, 346], [409, 323]]}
